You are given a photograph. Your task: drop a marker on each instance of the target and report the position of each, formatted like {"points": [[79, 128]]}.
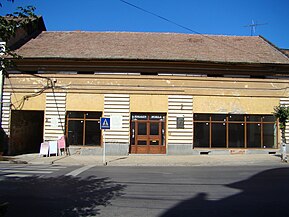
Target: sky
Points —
{"points": [[215, 17]]}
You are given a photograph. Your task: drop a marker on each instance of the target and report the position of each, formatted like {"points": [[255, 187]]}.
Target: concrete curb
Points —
{"points": [[152, 160]]}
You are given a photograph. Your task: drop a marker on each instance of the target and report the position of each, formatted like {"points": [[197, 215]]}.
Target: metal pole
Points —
{"points": [[103, 159]]}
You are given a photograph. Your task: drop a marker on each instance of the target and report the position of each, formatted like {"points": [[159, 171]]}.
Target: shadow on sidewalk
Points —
{"points": [[57, 196], [263, 195]]}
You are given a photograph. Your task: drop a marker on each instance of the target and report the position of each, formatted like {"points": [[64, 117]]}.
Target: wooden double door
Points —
{"points": [[148, 134]]}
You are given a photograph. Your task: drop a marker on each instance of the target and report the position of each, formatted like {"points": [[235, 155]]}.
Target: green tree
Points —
{"points": [[8, 26], [282, 113]]}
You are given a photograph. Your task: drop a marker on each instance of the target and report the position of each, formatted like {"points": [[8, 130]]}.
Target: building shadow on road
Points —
{"points": [[57, 196], [265, 194]]}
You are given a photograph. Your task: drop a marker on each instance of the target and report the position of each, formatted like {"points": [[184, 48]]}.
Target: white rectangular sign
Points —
{"points": [[116, 122]]}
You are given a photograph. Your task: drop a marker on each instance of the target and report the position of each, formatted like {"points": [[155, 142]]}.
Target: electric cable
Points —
{"points": [[189, 29]]}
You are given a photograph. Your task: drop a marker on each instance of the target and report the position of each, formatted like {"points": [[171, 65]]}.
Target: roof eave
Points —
{"points": [[149, 65]]}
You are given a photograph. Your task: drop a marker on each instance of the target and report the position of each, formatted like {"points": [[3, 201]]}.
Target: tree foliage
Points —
{"points": [[282, 113], [18, 19], [8, 26]]}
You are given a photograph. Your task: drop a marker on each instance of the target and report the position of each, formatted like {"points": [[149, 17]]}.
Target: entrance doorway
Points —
{"points": [[148, 134], [26, 131]]}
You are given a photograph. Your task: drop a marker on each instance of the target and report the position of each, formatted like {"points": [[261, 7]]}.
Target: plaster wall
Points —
{"points": [[149, 103], [238, 105], [84, 102], [33, 103]]}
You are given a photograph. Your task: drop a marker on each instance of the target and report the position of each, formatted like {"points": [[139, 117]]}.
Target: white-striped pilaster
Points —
{"points": [[54, 116], [6, 112], [117, 104], [180, 106]]}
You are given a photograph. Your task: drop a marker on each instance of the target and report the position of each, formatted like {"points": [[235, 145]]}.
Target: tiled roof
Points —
{"points": [[152, 46], [286, 51]]}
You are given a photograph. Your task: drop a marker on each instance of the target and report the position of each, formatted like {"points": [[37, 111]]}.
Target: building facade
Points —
{"points": [[165, 93]]}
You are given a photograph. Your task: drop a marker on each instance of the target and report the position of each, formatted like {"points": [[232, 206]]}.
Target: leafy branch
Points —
{"points": [[8, 26], [282, 113]]}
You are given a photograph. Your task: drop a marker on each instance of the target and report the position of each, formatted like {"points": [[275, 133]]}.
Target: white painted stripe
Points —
{"points": [[79, 170], [26, 171], [32, 166], [59, 167], [29, 169], [17, 175]]}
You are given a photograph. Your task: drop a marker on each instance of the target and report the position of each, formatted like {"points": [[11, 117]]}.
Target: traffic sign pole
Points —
{"points": [[104, 124], [103, 158]]}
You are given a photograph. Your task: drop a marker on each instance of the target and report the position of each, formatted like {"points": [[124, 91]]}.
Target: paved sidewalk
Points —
{"points": [[153, 160]]}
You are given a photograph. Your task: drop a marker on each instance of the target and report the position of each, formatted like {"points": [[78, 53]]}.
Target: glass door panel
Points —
{"points": [[75, 132], [142, 128], [154, 128], [92, 135]]}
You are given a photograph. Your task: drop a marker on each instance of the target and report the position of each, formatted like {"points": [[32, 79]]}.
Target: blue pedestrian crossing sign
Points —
{"points": [[104, 123]]}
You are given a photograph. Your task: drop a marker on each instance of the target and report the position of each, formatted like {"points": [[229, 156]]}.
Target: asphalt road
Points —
{"points": [[150, 191]]}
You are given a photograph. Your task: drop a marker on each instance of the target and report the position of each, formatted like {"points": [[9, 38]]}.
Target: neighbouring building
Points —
{"points": [[166, 93], [29, 28]]}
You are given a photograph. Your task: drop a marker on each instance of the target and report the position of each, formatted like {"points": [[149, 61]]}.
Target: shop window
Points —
{"points": [[254, 135], [236, 135], [269, 137], [218, 133], [202, 134], [83, 128], [234, 131]]}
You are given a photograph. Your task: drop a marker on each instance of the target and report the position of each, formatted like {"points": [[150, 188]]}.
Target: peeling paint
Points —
{"points": [[273, 85]]}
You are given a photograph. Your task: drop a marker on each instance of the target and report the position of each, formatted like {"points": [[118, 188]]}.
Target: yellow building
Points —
{"points": [[165, 93]]}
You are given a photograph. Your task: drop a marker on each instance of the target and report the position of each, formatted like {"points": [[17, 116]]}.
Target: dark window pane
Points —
{"points": [[268, 118], [75, 132], [236, 136], [92, 133], [154, 128], [236, 117], [219, 117], [218, 135], [141, 142], [92, 115], [142, 129], [254, 118], [269, 136], [201, 135], [75, 114], [201, 117], [254, 135], [154, 142]]}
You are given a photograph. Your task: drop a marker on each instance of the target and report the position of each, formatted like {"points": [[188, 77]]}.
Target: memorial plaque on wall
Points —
{"points": [[180, 122]]}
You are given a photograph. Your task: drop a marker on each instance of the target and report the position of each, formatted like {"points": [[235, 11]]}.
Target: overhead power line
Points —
{"points": [[188, 29], [161, 17]]}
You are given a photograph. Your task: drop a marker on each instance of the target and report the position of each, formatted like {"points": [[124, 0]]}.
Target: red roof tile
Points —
{"points": [[153, 46]]}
